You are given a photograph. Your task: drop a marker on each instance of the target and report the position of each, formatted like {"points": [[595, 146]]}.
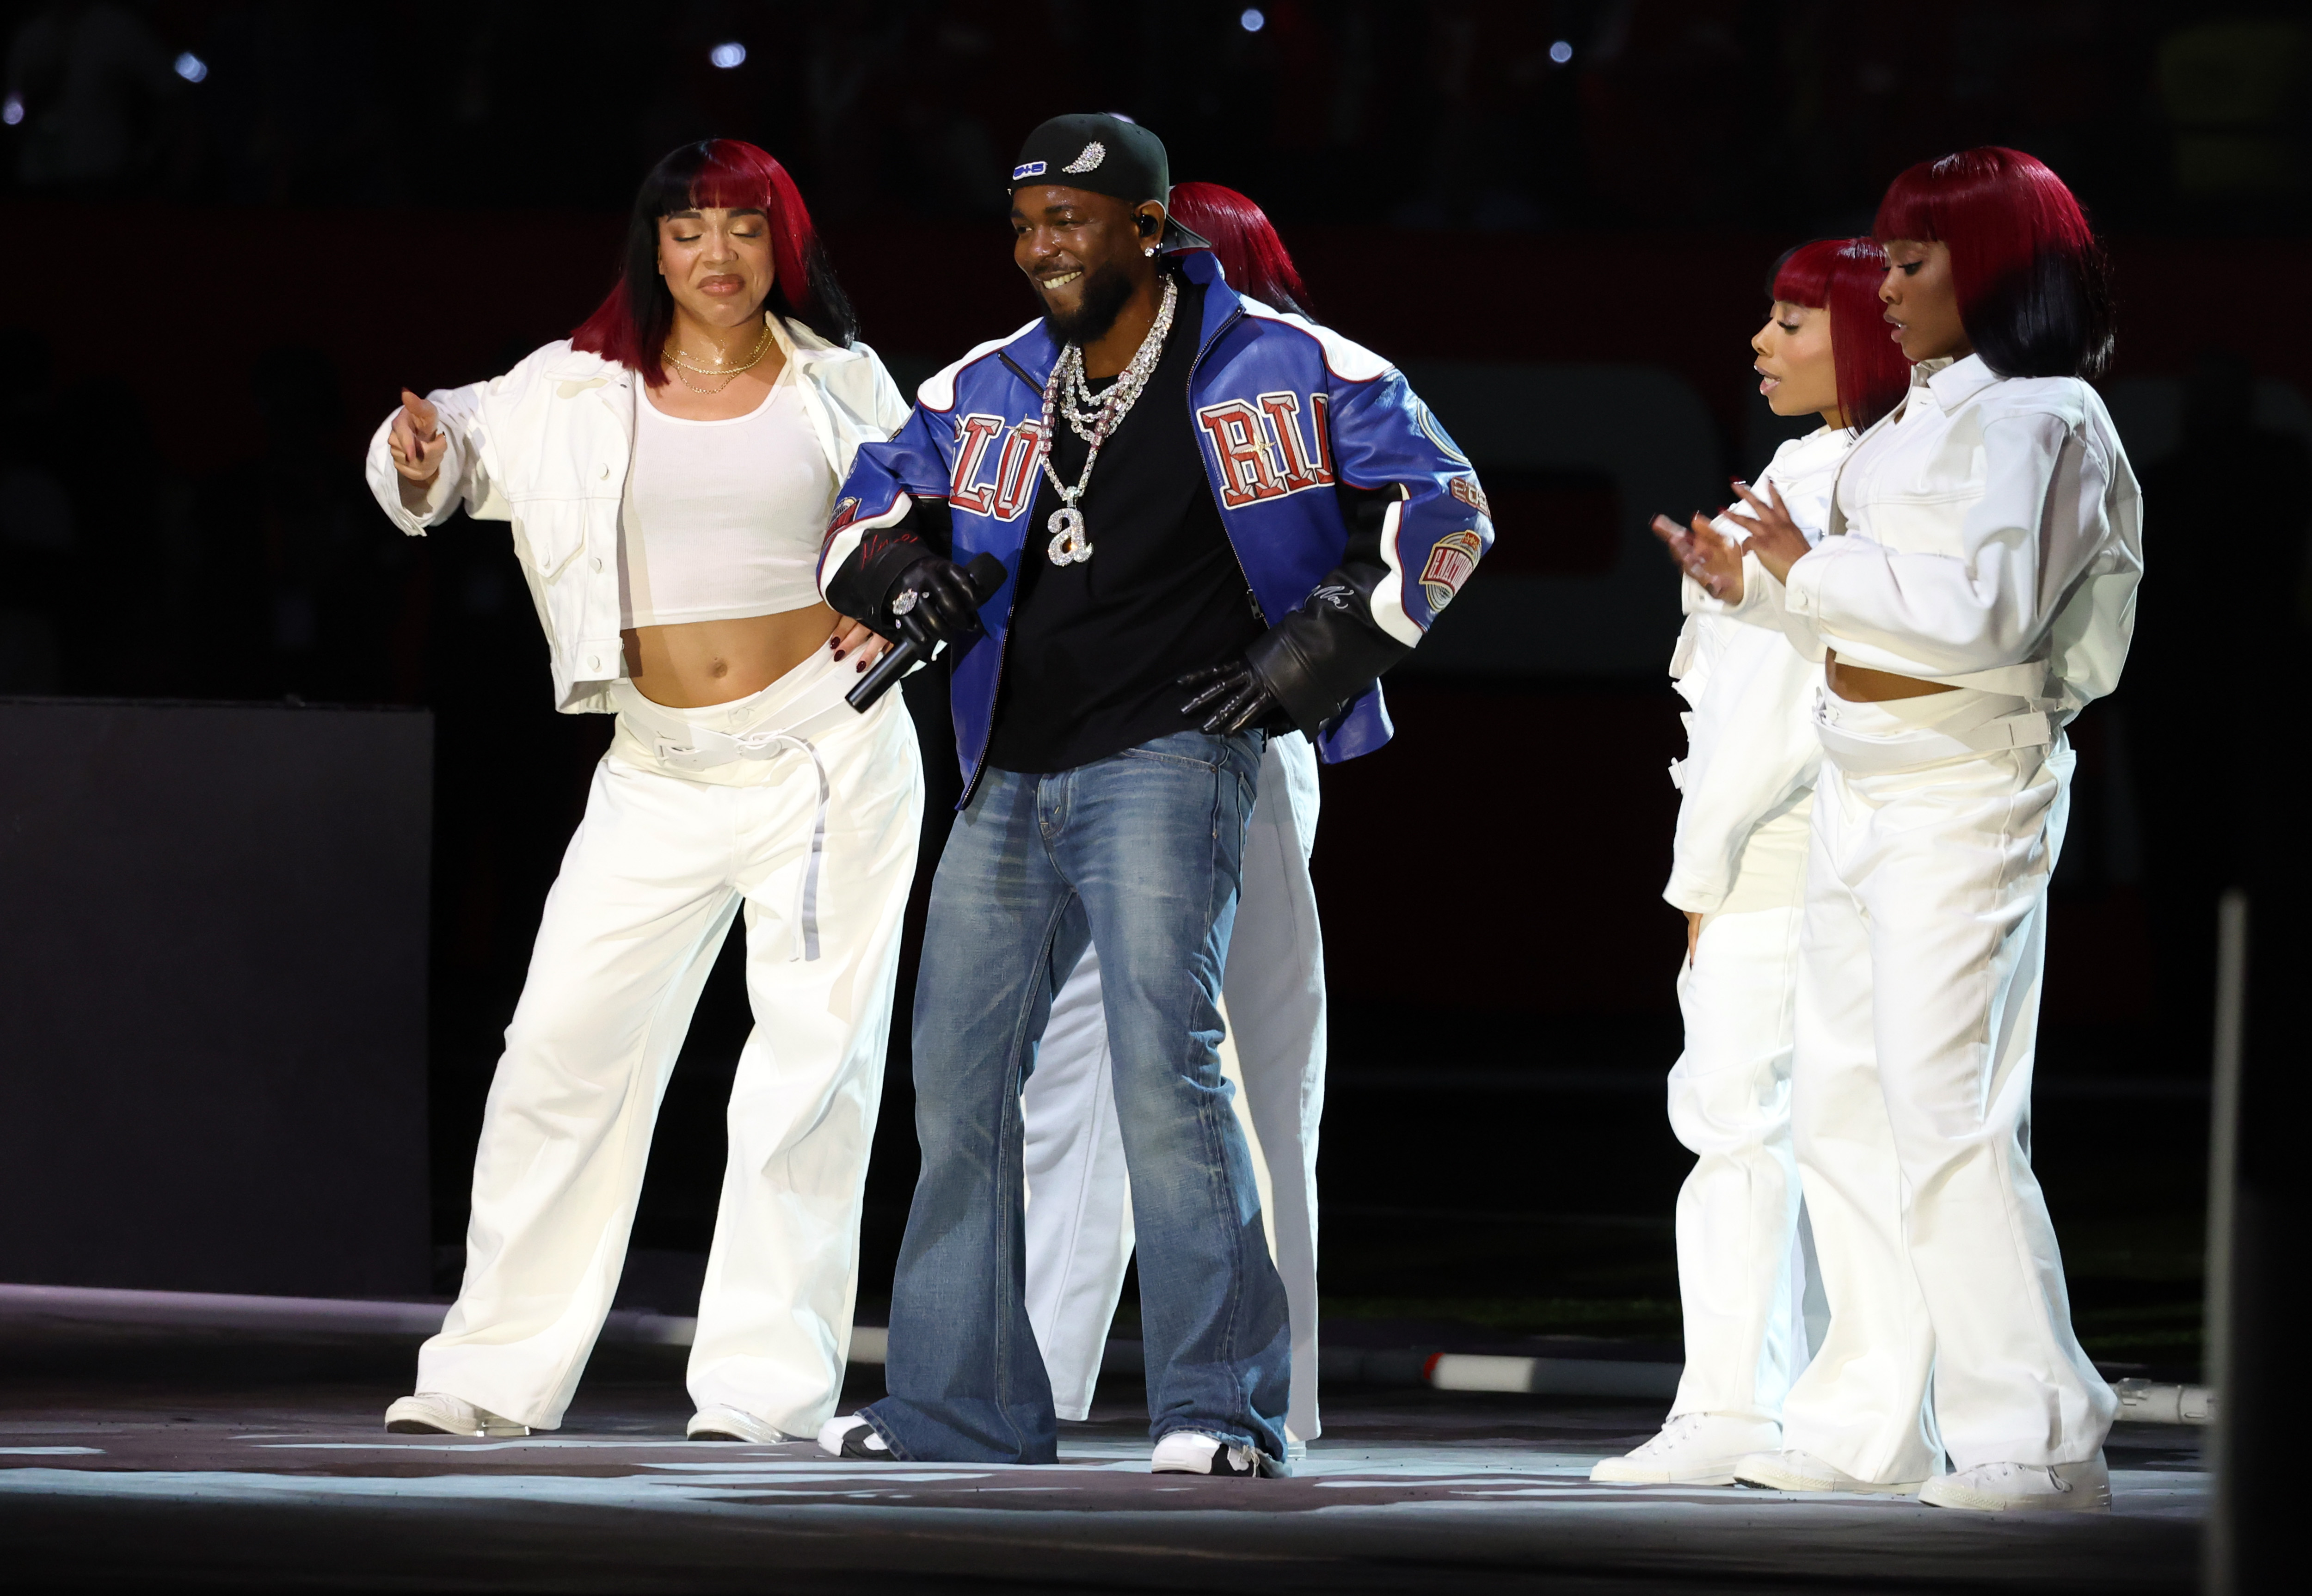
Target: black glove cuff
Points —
{"points": [[1292, 679]]}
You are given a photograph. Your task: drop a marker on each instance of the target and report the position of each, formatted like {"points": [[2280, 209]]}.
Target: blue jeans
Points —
{"points": [[1141, 854]]}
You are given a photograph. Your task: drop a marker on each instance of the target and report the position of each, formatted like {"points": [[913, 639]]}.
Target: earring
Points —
{"points": [[1151, 249]]}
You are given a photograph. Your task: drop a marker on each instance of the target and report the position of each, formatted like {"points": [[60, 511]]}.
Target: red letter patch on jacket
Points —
{"points": [[973, 434], [1016, 476], [1262, 452]]}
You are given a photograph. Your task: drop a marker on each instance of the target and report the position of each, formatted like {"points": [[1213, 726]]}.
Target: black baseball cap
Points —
{"points": [[1104, 155]]}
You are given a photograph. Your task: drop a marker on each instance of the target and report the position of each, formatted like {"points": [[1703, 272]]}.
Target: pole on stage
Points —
{"points": [[2219, 1546]]}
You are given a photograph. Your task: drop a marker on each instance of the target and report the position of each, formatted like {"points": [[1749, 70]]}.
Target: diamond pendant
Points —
{"points": [[1069, 545]]}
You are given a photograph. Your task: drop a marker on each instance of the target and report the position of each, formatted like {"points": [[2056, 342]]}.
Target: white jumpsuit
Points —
{"points": [[784, 809], [1078, 1219], [1745, 789], [1988, 536]]}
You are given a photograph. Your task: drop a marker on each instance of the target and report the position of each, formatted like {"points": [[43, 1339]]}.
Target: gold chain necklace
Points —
{"points": [[678, 358]]}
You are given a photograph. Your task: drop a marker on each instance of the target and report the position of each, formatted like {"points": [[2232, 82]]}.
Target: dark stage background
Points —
{"points": [[231, 231], [213, 997]]}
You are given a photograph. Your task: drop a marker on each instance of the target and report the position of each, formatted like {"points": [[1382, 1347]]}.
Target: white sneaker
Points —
{"points": [[1192, 1451], [718, 1423], [2024, 1487], [1803, 1471], [854, 1437], [1693, 1449], [437, 1412]]}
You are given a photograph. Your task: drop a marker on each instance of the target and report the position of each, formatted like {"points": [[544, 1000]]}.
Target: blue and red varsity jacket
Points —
{"points": [[1355, 517]]}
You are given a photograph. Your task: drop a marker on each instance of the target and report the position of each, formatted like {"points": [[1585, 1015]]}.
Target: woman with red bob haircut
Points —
{"points": [[1245, 243], [1977, 590], [1080, 1243], [1745, 794], [630, 326], [1841, 278], [2030, 280], [670, 470]]}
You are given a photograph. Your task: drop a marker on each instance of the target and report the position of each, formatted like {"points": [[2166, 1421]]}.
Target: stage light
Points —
{"points": [[727, 55], [11, 110], [1561, 52], [191, 67], [1252, 19]]}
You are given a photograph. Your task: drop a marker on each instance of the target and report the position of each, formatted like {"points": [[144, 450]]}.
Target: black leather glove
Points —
{"points": [[1232, 696], [932, 602]]}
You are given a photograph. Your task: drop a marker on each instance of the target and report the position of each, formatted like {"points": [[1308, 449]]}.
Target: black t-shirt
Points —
{"points": [[1096, 645]]}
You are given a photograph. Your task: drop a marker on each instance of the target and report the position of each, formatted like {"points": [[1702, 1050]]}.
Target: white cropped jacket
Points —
{"points": [[1989, 534], [546, 446]]}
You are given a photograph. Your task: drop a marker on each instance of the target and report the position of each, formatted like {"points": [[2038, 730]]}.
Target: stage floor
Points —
{"points": [[258, 1472]]}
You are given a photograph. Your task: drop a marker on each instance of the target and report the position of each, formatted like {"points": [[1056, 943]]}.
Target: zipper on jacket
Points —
{"points": [[1021, 371], [1251, 598], [1003, 648], [1002, 652]]}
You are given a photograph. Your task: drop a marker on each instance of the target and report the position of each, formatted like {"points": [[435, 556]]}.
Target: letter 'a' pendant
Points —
{"points": [[1069, 545]]}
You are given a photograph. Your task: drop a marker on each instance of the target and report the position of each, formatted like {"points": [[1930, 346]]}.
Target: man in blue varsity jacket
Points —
{"points": [[1216, 521]]}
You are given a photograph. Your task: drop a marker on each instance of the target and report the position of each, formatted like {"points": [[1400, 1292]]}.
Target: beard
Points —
{"points": [[1102, 301]]}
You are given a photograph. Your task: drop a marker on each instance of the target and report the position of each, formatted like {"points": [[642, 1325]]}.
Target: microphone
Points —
{"points": [[986, 574]]}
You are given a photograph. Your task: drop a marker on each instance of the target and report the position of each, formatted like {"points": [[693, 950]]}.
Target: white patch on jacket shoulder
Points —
{"points": [[1348, 360], [938, 389]]}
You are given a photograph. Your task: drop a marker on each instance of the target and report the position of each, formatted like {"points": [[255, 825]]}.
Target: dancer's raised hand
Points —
{"points": [[1705, 554], [415, 440], [1774, 537]]}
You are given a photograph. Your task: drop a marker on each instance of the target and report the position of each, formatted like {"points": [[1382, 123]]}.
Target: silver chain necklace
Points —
{"points": [[1095, 421]]}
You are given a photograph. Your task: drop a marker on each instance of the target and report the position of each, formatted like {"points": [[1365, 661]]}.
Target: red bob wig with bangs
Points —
{"points": [[630, 327], [1843, 277], [2034, 283], [1244, 241]]}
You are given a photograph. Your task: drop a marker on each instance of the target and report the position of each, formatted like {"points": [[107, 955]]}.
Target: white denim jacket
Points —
{"points": [[1751, 747], [1989, 534], [546, 447]]}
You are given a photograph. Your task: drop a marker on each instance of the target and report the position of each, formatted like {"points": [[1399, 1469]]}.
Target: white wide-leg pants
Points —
{"points": [[659, 868], [1918, 1016], [1079, 1219], [1740, 1275]]}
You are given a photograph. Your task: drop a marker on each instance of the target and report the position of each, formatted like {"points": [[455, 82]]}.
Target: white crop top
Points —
{"points": [[723, 519]]}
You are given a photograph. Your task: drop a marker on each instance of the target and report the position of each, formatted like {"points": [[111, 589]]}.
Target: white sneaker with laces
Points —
{"points": [[1803, 1471], [2024, 1487], [1693, 1449], [437, 1412], [852, 1436], [718, 1423], [1192, 1451]]}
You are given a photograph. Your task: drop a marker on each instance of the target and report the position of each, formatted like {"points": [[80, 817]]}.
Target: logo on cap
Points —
{"points": [[1093, 154], [1028, 169]]}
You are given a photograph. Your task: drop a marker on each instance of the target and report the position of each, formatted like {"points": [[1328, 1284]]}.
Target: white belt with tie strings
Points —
{"points": [[681, 744]]}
